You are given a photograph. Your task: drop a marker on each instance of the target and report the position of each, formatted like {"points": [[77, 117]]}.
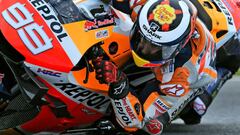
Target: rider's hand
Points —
{"points": [[108, 73]]}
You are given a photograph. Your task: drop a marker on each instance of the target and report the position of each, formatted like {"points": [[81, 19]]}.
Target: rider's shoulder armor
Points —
{"points": [[200, 55]]}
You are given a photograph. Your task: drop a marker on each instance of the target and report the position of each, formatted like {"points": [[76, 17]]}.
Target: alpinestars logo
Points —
{"points": [[119, 90], [199, 106], [175, 90]]}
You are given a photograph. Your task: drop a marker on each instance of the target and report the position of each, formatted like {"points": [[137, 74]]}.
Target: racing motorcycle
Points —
{"points": [[49, 48]]}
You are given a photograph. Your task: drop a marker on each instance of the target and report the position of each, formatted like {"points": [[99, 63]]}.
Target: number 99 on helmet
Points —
{"points": [[162, 29]]}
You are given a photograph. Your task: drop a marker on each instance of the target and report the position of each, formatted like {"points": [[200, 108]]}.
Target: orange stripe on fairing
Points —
{"points": [[153, 97], [85, 39], [212, 73]]}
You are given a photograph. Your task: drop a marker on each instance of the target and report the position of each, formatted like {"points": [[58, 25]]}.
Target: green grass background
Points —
{"points": [[238, 72]]}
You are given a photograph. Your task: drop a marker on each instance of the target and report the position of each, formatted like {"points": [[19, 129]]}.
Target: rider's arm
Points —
{"points": [[127, 108]]}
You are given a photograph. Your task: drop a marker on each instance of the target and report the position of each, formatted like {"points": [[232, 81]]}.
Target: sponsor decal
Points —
{"points": [[121, 111], [154, 126], [84, 96], [48, 72], [225, 11], [119, 90], [164, 14], [129, 109], [184, 103], [160, 106], [199, 106], [30, 32], [175, 90], [102, 34], [228, 5], [45, 11], [99, 23], [150, 32], [168, 67], [154, 27]]}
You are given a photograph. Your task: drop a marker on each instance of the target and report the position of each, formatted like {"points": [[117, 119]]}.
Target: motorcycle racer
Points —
{"points": [[137, 106], [168, 38]]}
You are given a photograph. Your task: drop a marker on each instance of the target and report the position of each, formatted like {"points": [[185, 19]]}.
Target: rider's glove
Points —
{"points": [[107, 72]]}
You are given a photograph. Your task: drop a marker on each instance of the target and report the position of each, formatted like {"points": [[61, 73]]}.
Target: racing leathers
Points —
{"points": [[176, 83]]}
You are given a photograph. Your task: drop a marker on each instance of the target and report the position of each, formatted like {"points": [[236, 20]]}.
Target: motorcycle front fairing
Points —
{"points": [[51, 45]]}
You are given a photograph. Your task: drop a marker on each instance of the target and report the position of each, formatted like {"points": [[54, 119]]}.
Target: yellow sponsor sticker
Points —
{"points": [[164, 14]]}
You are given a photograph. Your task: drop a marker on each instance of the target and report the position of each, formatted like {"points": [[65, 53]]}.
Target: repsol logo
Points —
{"points": [[165, 107], [225, 11], [81, 95], [184, 103], [48, 72], [151, 32], [129, 109], [121, 111], [47, 13]]}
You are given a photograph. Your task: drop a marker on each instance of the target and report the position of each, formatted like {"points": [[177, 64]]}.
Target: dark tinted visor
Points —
{"points": [[151, 51]]}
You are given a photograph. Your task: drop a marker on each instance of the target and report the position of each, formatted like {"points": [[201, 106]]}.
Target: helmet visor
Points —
{"points": [[151, 51]]}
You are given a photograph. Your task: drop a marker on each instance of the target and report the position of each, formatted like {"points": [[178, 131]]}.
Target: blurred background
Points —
{"points": [[222, 117]]}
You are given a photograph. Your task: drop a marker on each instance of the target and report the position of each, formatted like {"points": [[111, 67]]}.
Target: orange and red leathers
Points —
{"points": [[175, 79]]}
